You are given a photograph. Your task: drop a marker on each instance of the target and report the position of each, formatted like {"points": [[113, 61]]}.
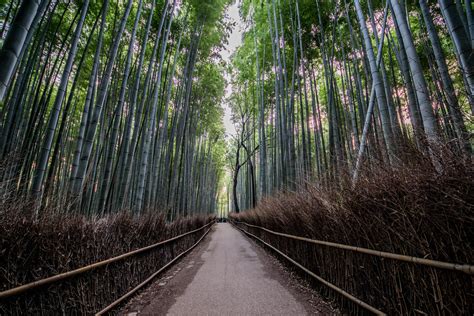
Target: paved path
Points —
{"points": [[229, 275]]}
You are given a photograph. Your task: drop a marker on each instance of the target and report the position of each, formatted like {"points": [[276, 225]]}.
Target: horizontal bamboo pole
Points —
{"points": [[466, 268], [317, 277], [151, 277], [22, 288]]}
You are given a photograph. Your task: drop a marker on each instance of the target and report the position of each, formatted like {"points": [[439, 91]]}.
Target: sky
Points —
{"points": [[235, 40]]}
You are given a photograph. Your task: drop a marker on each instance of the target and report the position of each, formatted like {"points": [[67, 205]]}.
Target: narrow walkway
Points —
{"points": [[229, 275]]}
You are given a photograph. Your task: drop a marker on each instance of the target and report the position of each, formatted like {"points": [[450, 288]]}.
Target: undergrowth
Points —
{"points": [[32, 249], [415, 211]]}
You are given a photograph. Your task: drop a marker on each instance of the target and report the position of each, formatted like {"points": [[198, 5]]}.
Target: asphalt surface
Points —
{"points": [[227, 275]]}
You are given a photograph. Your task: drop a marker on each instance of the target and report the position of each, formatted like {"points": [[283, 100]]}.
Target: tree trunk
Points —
{"points": [[429, 120], [452, 100], [463, 48], [14, 42], [53, 120]]}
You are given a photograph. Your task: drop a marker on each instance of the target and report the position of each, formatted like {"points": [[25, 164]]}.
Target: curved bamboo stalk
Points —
{"points": [[370, 108], [14, 42]]}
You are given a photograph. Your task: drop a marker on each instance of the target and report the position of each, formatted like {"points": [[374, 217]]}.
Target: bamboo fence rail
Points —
{"points": [[466, 268]]}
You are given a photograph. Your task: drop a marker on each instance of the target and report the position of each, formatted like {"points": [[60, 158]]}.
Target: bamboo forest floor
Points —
{"points": [[228, 274]]}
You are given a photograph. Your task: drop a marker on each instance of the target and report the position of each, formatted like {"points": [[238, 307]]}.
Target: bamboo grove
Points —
{"points": [[112, 105], [324, 89]]}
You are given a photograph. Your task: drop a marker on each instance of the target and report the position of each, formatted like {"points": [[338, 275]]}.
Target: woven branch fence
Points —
{"points": [[81, 247]]}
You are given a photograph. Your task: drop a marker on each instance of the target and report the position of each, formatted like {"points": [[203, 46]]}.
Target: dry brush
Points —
{"points": [[31, 250], [413, 211]]}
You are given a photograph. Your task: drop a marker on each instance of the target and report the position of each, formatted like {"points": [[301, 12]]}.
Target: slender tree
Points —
{"points": [[14, 42]]}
